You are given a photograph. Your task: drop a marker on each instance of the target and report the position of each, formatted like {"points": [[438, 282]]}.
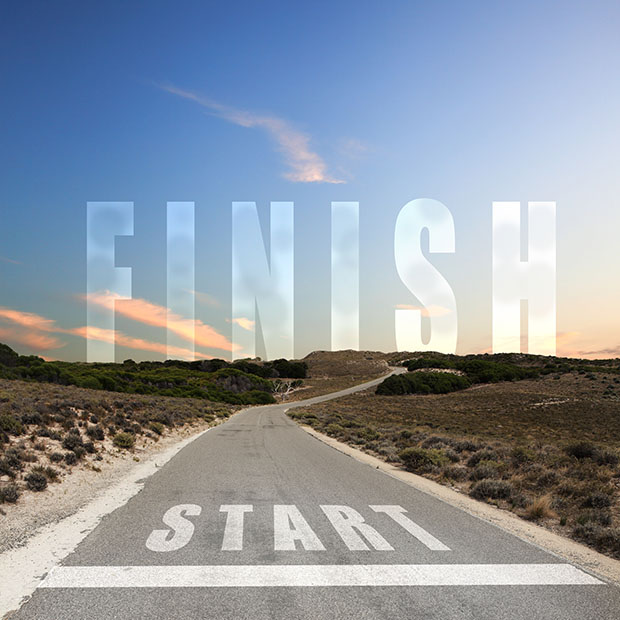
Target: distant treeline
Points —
{"points": [[241, 382]]}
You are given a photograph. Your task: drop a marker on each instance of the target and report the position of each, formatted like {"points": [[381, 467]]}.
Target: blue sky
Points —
{"points": [[466, 103]]}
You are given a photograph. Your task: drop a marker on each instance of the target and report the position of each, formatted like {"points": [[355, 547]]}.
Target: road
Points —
{"points": [[258, 519]]}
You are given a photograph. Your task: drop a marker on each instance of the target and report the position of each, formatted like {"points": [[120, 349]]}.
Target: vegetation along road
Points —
{"points": [[258, 519]]}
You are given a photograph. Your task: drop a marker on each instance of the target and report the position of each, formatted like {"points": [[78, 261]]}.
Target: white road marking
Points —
{"points": [[316, 575], [288, 526], [182, 527], [346, 521], [396, 512], [233, 533]]}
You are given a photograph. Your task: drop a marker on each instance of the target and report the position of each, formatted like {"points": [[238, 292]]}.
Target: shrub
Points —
{"points": [[9, 493], [420, 460], [31, 417], [455, 472], [335, 429], [597, 499], [481, 455], [582, 450], [491, 489], [607, 457], [49, 472], [56, 457], [602, 517], [124, 440], [485, 469], [36, 481], [10, 424], [158, 427], [521, 455], [71, 458], [465, 445], [71, 441], [95, 432]]}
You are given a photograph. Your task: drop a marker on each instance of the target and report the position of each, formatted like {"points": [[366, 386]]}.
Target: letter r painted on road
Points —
{"points": [[104, 222], [397, 514], [533, 280], [350, 524], [182, 529]]}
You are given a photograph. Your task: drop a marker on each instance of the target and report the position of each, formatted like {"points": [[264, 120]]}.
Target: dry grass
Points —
{"points": [[546, 448], [540, 508]]}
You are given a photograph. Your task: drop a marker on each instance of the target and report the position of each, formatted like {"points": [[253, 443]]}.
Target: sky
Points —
{"points": [[373, 102]]}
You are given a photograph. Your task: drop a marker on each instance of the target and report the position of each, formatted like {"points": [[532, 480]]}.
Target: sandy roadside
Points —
{"points": [[80, 486], [43, 528]]}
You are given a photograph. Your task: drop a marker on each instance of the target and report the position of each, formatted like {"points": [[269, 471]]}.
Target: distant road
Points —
{"points": [[257, 519]]}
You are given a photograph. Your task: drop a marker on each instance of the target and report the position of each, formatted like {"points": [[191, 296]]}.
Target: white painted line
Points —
{"points": [[297, 575]]}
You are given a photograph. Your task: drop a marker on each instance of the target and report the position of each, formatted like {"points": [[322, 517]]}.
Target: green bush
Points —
{"points": [[156, 427], [124, 440], [422, 383], [420, 460], [10, 424]]}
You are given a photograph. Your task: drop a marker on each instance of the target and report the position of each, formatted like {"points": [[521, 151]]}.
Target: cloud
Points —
{"points": [[34, 340], [118, 338], [144, 311], [206, 299], [33, 332], [305, 166], [244, 323], [605, 352], [430, 311], [10, 260]]}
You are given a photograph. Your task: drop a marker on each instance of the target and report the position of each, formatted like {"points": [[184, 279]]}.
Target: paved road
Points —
{"points": [[257, 519]]}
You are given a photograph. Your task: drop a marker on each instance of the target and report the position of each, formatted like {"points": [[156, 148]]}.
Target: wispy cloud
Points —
{"points": [[244, 323], [206, 299], [28, 319], [5, 259], [146, 312], [118, 338], [33, 331], [305, 166], [34, 340]]}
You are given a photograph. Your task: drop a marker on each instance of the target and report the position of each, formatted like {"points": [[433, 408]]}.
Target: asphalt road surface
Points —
{"points": [[257, 519]]}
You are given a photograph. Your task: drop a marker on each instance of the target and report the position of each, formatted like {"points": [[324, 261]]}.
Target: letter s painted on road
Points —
{"points": [[183, 529]]}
